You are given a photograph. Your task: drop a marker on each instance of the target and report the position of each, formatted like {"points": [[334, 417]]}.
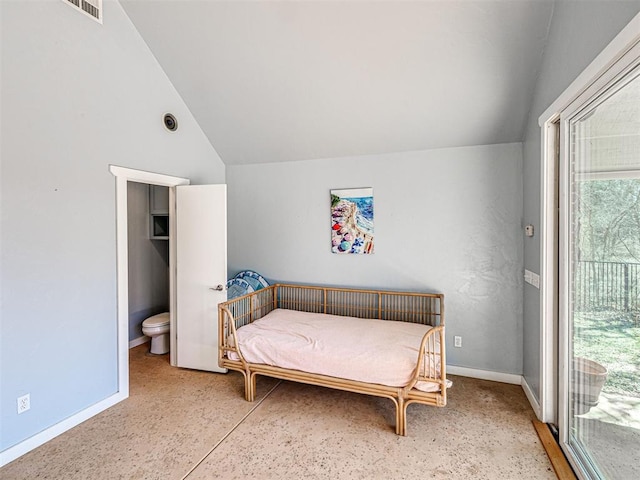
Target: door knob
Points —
{"points": [[219, 288]]}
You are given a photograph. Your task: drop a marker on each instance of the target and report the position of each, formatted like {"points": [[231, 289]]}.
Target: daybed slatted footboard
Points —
{"points": [[421, 308]]}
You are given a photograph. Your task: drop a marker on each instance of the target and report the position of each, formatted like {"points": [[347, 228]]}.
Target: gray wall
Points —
{"points": [[579, 31], [76, 97], [445, 220], [148, 262]]}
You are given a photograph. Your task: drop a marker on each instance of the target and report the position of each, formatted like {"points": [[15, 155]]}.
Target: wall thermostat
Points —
{"points": [[170, 122]]}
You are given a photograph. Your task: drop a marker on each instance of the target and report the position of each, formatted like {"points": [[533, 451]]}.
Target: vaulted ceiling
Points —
{"points": [[272, 81]]}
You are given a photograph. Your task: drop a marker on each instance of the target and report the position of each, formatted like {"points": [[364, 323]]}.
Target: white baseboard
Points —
{"points": [[499, 377], [138, 341], [485, 374], [532, 399], [11, 453]]}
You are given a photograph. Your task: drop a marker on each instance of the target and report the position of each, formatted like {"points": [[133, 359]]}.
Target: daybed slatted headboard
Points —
{"points": [[423, 308]]}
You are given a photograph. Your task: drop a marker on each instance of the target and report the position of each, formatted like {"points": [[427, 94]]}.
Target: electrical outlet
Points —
{"points": [[457, 341], [24, 403]]}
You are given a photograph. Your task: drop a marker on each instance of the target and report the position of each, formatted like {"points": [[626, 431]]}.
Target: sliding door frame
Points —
{"points": [[619, 58], [601, 71]]}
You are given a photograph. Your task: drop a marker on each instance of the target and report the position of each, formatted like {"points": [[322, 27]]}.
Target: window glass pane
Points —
{"points": [[604, 309]]}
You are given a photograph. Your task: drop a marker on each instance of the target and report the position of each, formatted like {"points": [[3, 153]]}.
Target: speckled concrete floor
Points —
{"points": [[186, 424]]}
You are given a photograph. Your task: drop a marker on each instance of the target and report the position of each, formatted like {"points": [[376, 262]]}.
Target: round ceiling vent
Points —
{"points": [[170, 122]]}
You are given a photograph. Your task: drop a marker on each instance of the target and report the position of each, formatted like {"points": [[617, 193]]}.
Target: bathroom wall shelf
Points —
{"points": [[159, 212], [159, 227]]}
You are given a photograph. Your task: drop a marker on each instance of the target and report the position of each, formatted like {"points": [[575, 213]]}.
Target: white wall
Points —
{"points": [[579, 31], [76, 97], [445, 220]]}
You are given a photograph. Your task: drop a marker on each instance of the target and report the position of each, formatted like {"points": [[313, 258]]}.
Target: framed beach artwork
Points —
{"points": [[352, 221]]}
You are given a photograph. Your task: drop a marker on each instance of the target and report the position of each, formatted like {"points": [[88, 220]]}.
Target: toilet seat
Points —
{"points": [[159, 320]]}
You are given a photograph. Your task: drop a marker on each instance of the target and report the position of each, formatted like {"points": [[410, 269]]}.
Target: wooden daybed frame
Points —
{"points": [[424, 308]]}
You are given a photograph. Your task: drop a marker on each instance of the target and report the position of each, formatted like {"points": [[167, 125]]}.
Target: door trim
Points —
{"points": [[123, 176], [548, 273]]}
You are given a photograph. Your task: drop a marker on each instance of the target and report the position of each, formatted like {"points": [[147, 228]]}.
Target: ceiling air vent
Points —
{"points": [[92, 8]]}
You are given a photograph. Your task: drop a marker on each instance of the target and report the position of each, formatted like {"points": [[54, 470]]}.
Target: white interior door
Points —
{"points": [[201, 266]]}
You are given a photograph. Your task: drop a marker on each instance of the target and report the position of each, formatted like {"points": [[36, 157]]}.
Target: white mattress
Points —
{"points": [[374, 351]]}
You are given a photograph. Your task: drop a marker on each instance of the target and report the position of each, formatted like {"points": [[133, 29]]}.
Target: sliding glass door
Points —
{"points": [[600, 282]]}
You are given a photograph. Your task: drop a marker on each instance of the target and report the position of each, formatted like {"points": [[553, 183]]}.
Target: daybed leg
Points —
{"points": [[249, 386], [401, 424], [253, 386], [401, 417]]}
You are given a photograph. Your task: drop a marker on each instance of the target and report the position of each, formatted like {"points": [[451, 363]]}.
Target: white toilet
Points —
{"points": [[157, 327]]}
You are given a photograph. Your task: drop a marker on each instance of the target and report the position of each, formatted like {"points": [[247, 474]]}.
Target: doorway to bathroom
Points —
{"points": [[148, 252], [124, 177]]}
